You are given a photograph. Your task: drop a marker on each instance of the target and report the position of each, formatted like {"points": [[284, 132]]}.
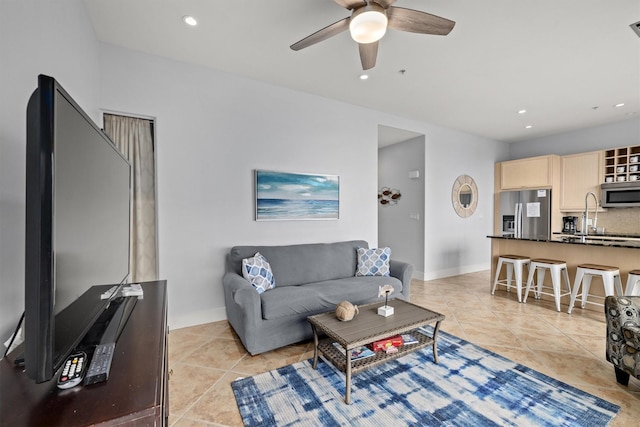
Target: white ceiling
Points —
{"points": [[558, 59]]}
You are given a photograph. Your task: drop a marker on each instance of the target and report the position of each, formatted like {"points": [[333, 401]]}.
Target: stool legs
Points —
{"points": [[557, 273], [555, 280], [537, 288], [611, 281], [633, 283], [495, 280], [576, 287], [511, 266], [518, 282]]}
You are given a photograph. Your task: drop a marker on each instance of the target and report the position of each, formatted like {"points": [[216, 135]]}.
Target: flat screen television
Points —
{"points": [[78, 201]]}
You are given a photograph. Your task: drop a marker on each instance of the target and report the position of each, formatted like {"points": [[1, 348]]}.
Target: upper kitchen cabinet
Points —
{"points": [[533, 172], [622, 164], [580, 173]]}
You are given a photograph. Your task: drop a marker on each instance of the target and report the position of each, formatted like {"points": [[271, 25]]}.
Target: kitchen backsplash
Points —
{"points": [[616, 220]]}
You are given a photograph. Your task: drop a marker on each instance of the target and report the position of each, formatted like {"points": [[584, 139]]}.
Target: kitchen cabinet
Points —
{"points": [[580, 173], [533, 172], [622, 164]]}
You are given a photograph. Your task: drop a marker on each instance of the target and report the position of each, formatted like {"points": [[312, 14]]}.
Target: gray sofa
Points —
{"points": [[310, 279]]}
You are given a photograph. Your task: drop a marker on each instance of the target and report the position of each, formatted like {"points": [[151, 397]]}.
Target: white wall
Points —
{"points": [[619, 134], [36, 37], [455, 245], [213, 130], [396, 229]]}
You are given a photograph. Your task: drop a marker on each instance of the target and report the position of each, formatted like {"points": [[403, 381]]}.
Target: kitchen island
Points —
{"points": [[622, 251]]}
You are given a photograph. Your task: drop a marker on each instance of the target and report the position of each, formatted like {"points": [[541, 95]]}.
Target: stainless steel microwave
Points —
{"points": [[622, 194]]}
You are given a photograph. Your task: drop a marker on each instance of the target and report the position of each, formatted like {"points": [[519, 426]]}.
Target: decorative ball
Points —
{"points": [[345, 311]]}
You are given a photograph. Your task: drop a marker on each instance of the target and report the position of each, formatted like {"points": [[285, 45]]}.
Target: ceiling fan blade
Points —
{"points": [[351, 4], [368, 54], [385, 3], [323, 34], [415, 21]]}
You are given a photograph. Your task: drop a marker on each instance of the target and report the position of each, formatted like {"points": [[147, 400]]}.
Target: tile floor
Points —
{"points": [[205, 359]]}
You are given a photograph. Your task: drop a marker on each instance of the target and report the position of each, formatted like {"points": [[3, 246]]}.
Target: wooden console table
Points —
{"points": [[136, 392]]}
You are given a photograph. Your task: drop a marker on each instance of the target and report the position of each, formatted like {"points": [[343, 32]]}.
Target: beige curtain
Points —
{"points": [[134, 137]]}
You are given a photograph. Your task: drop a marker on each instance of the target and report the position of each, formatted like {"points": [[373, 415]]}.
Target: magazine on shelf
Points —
{"points": [[356, 353], [408, 339]]}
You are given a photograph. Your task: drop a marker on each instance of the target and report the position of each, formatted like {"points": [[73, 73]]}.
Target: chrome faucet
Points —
{"points": [[585, 215]]}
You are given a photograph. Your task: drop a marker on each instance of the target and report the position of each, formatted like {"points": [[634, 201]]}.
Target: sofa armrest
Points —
{"points": [[623, 318], [404, 272], [240, 292], [631, 334]]}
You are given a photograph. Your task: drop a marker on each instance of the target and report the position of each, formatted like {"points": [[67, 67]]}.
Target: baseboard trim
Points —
{"points": [[197, 318], [439, 274]]}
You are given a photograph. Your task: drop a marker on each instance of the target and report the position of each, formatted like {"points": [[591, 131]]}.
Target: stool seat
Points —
{"points": [[548, 261], [598, 267], [633, 283], [514, 257], [513, 263], [585, 272], [557, 269]]}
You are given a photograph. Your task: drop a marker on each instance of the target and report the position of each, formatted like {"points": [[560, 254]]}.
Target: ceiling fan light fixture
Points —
{"points": [[368, 24]]}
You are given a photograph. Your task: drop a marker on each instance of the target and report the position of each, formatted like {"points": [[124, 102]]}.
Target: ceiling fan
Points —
{"points": [[369, 21]]}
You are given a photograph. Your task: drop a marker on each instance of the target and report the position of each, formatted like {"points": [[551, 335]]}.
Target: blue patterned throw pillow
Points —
{"points": [[373, 262], [257, 270]]}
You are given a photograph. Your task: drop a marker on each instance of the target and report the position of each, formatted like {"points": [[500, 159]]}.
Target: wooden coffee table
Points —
{"points": [[368, 327]]}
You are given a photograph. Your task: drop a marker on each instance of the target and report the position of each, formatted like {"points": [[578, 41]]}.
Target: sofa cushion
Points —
{"points": [[323, 296], [373, 262], [258, 272], [300, 264]]}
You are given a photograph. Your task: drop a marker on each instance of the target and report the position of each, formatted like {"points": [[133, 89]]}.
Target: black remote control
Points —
{"points": [[100, 363], [72, 371]]}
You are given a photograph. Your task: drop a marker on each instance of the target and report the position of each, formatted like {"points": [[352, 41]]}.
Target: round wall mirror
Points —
{"points": [[464, 196]]}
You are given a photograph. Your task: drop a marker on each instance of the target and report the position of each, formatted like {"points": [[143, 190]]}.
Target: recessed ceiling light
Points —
{"points": [[364, 76], [619, 105], [190, 20], [528, 127], [522, 111]]}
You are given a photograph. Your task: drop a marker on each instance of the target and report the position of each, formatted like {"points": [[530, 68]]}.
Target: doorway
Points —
{"points": [[401, 163]]}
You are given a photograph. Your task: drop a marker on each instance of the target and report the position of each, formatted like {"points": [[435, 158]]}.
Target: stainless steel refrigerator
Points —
{"points": [[526, 214]]}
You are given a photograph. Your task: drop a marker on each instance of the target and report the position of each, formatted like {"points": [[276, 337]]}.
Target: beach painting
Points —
{"points": [[292, 196]]}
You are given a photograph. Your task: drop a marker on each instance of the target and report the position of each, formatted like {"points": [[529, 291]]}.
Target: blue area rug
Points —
{"points": [[470, 386]]}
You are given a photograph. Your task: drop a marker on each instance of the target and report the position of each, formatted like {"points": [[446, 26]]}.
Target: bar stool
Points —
{"points": [[557, 269], [513, 262], [633, 283], [584, 273]]}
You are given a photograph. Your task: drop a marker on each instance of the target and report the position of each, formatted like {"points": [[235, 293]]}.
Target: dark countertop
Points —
{"points": [[605, 235], [596, 240]]}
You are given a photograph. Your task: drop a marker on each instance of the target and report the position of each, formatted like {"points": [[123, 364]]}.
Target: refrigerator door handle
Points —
{"points": [[517, 232]]}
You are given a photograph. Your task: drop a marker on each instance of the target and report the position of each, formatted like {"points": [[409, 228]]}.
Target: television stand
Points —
{"points": [[135, 394]]}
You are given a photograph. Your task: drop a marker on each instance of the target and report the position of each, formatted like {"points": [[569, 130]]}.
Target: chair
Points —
{"points": [[513, 262], [633, 283], [623, 336], [557, 269], [610, 278]]}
